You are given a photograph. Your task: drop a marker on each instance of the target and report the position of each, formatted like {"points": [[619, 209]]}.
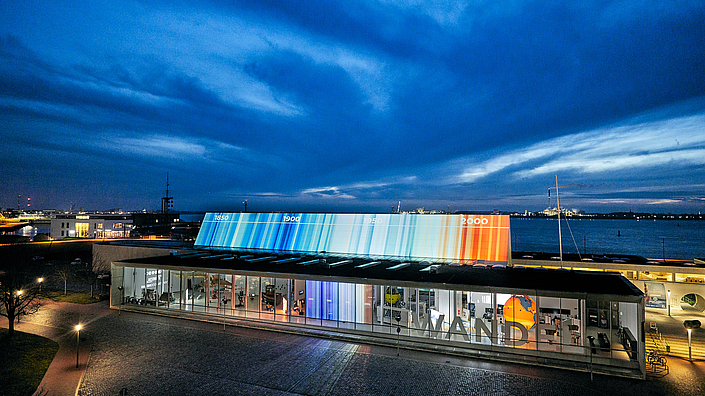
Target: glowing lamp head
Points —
{"points": [[19, 292], [78, 327], [40, 280]]}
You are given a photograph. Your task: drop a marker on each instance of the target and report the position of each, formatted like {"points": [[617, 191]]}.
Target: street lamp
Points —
{"points": [[668, 303], [40, 280], [690, 356], [78, 340], [17, 304], [398, 319], [19, 295], [688, 324], [122, 298]]}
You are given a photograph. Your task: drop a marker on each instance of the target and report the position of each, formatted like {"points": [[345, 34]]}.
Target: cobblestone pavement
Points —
{"points": [[144, 354]]}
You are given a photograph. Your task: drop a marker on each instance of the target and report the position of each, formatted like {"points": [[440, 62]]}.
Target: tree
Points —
{"points": [[89, 275], [96, 267], [19, 288], [64, 272]]}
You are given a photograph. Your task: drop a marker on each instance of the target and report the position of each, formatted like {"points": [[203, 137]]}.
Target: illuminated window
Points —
{"points": [[82, 230], [656, 276], [690, 278]]}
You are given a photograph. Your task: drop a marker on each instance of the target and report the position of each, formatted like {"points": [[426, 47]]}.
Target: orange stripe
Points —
{"points": [[487, 243], [502, 244], [476, 242], [463, 239], [497, 238]]}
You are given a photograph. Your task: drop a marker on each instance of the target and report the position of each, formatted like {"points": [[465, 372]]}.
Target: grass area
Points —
{"points": [[70, 297], [25, 359]]}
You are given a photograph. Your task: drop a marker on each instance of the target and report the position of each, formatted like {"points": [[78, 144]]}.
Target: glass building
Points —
{"points": [[457, 291]]}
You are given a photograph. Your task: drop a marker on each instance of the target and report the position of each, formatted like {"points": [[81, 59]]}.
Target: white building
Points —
{"points": [[91, 226]]}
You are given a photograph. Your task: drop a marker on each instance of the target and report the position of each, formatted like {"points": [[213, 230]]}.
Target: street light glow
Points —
{"points": [[690, 353], [40, 280], [19, 292], [78, 341]]}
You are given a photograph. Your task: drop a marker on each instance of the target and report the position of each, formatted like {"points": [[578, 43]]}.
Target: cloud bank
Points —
{"points": [[353, 106]]}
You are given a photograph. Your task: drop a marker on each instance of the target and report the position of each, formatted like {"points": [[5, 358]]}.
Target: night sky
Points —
{"points": [[353, 105]]}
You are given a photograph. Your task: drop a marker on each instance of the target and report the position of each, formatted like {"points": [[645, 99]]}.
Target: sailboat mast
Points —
{"points": [[560, 235]]}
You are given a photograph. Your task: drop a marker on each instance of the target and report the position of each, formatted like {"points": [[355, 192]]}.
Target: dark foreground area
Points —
{"points": [[151, 355], [25, 359]]}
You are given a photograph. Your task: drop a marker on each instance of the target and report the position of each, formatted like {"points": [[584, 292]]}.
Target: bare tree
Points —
{"points": [[95, 267], [89, 275], [101, 265], [19, 288], [64, 273]]}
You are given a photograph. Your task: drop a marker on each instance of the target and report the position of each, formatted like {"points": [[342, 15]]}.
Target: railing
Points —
{"points": [[656, 364], [659, 343]]}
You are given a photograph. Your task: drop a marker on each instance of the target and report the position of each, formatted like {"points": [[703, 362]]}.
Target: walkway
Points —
{"points": [[56, 321], [148, 354]]}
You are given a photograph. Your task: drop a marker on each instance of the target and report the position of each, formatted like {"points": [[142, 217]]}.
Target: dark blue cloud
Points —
{"points": [[353, 105]]}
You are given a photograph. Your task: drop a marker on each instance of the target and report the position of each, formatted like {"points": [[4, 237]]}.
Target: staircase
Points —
{"points": [[656, 342], [679, 348], [672, 345]]}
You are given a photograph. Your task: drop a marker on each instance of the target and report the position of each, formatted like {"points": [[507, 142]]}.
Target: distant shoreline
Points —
{"points": [[615, 216]]}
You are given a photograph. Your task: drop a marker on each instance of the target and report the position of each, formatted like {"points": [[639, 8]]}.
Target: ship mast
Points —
{"points": [[560, 235], [167, 200]]}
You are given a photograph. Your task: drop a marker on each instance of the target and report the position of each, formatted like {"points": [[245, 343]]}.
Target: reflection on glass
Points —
{"points": [[281, 298], [253, 296]]}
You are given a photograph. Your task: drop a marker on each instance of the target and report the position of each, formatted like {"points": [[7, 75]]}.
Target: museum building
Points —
{"points": [[437, 282]]}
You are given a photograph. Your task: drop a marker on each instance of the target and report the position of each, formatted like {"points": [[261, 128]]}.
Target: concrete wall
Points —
{"points": [[104, 253], [678, 290]]}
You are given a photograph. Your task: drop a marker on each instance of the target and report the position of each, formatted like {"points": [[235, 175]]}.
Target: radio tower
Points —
{"points": [[167, 200]]}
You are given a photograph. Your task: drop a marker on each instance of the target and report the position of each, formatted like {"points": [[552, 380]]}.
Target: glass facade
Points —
{"points": [[603, 329]]}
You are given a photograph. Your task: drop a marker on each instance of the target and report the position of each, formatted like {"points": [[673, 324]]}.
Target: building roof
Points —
{"points": [[518, 280], [93, 216]]}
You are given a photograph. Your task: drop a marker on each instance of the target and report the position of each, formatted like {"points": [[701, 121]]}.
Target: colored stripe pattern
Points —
{"points": [[464, 238]]}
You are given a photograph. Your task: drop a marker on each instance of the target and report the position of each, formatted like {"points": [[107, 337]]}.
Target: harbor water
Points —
{"points": [[655, 239]]}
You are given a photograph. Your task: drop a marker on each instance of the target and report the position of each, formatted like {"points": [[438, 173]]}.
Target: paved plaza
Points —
{"points": [[142, 354]]}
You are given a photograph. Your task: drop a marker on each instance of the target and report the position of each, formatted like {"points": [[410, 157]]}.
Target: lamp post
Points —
{"points": [[690, 356], [590, 339], [398, 319], [78, 340], [122, 297], [688, 324], [17, 304], [40, 280], [668, 303]]}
